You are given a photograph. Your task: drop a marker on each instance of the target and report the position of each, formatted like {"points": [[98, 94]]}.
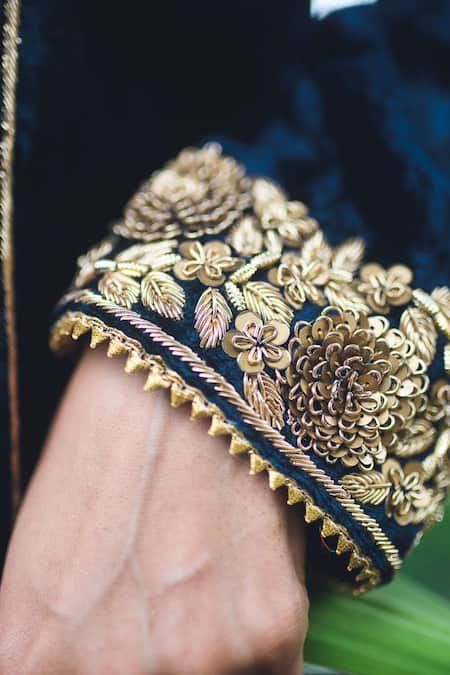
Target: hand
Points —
{"points": [[143, 547]]}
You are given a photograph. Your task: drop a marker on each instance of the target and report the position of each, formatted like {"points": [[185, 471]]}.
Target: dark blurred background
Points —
{"points": [[351, 114]]}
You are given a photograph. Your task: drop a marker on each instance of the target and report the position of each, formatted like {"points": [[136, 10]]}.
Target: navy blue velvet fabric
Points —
{"points": [[350, 114]]}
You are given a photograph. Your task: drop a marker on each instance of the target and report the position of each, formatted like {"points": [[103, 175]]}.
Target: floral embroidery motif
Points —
{"points": [[346, 388], [384, 288], [400, 488], [206, 262], [300, 279], [407, 494], [200, 192], [256, 344], [319, 275], [351, 388]]}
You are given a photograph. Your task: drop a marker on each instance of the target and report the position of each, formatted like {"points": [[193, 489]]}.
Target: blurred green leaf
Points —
{"points": [[310, 669], [429, 562], [400, 629]]}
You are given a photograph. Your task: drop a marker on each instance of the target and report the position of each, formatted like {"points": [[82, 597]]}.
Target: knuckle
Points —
{"points": [[204, 658], [279, 637]]}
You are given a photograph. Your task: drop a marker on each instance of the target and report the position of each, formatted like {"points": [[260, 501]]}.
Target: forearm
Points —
{"points": [[141, 540]]}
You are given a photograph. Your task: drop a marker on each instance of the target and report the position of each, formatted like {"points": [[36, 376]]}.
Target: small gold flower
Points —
{"points": [[206, 262], [256, 344], [301, 280], [383, 288], [407, 494]]}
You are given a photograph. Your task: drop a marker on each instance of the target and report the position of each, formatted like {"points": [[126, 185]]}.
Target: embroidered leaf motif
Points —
{"points": [[266, 301], [420, 329], [367, 488], [246, 237], [345, 297], [415, 438], [441, 295], [316, 248], [348, 256], [163, 295], [119, 288], [235, 296], [212, 318], [265, 399], [86, 262], [146, 253]]}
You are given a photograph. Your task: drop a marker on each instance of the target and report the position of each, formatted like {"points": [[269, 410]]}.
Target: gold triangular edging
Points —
{"points": [[73, 325]]}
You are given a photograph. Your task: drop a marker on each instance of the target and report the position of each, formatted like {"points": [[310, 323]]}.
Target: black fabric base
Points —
{"points": [[350, 114]]}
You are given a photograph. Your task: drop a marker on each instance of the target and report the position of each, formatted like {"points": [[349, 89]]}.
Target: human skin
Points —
{"points": [[143, 547]]}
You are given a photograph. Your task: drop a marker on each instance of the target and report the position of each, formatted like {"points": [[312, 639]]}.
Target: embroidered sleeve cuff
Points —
{"points": [[327, 373]]}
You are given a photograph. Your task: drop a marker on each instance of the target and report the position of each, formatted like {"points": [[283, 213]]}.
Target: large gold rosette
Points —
{"points": [[352, 383], [199, 192]]}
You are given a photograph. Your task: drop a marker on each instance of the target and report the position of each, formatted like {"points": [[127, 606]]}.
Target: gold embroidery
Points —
{"points": [[352, 388], [413, 439], [246, 237], [346, 387], [289, 219], [400, 488], [206, 262], [420, 329], [212, 318], [119, 288], [72, 324], [163, 295], [437, 306], [438, 408], [86, 263], [256, 344], [199, 192], [384, 288], [227, 392], [266, 301], [317, 274], [263, 396]]}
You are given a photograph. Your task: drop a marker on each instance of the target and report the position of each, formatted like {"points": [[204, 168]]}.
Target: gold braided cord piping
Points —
{"points": [[73, 325], [228, 392], [8, 125]]}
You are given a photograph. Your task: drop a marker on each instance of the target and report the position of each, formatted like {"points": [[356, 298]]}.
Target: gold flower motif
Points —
{"points": [[351, 384], [400, 488], [199, 192], [256, 344], [320, 274], [206, 262], [289, 218], [383, 288], [438, 408], [407, 495], [301, 279]]}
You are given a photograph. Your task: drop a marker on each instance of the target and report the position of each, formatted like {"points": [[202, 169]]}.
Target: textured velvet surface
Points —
{"points": [[350, 114]]}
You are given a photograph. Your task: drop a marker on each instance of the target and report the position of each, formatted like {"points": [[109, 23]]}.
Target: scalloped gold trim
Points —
{"points": [[73, 325]]}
